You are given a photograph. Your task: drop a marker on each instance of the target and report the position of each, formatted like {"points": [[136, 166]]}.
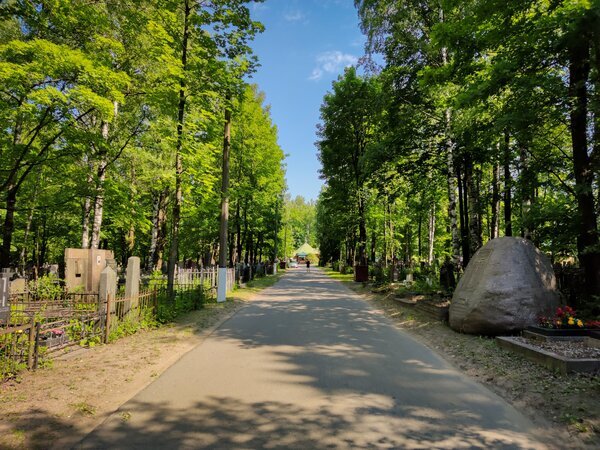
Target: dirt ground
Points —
{"points": [[568, 405], [58, 405]]}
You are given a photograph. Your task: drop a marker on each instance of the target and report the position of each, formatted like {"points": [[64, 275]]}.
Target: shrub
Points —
{"points": [[46, 288]]}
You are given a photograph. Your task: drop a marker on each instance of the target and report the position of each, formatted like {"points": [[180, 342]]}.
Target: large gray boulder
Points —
{"points": [[507, 285]]}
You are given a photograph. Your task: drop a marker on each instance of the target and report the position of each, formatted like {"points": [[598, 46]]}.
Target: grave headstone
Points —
{"points": [[5, 297], [83, 267], [18, 286], [507, 285], [108, 284], [132, 283]]}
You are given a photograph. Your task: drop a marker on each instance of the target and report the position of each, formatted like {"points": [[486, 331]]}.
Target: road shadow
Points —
{"points": [[227, 423], [367, 385]]}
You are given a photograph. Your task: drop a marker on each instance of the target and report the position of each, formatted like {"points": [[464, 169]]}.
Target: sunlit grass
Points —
{"points": [[256, 285], [348, 277]]}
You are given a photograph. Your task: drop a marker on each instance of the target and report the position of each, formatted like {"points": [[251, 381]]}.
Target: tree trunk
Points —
{"points": [[527, 192], [495, 219], [174, 249], [392, 247], [44, 240], [225, 188], [385, 237], [222, 287], [9, 226], [373, 243], [419, 232], [450, 174], [153, 234], [464, 218], [431, 233], [587, 241], [24, 248], [238, 232], [28, 225], [362, 230], [98, 203], [452, 188], [101, 177], [87, 209], [507, 186], [248, 251], [472, 191]]}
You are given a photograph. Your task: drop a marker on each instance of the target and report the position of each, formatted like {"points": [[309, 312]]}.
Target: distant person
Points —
{"points": [[308, 265]]}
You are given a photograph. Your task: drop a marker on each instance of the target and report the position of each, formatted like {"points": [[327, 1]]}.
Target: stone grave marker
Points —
{"points": [[18, 286], [5, 297], [132, 283], [507, 285], [108, 285]]}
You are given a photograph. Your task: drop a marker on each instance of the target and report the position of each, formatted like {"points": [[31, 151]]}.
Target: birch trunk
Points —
{"points": [[431, 234], [87, 209], [101, 177]]}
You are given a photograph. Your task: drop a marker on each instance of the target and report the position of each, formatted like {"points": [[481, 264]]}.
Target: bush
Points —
{"points": [[381, 275], [46, 288]]}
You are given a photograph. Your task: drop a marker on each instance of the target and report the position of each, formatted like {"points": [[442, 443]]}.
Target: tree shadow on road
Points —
{"points": [[228, 423], [394, 392]]}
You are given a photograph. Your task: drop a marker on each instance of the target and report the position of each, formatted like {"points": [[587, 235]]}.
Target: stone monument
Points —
{"points": [[507, 285], [5, 296], [132, 283], [132, 280], [83, 267], [107, 286]]}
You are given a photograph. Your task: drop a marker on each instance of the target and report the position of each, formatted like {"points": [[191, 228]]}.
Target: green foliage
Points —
{"points": [[477, 129], [46, 287], [83, 332], [136, 320], [89, 103]]}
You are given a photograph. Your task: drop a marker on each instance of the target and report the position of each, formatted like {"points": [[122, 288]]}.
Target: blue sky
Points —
{"points": [[305, 46]]}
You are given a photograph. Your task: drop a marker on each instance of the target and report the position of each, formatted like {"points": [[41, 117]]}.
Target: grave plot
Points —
{"points": [[563, 354], [436, 306]]}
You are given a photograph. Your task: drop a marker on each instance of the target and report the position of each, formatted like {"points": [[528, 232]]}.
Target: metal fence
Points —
{"points": [[207, 277], [38, 329]]}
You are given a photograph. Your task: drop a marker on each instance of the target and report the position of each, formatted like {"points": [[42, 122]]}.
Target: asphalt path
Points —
{"points": [[309, 364]]}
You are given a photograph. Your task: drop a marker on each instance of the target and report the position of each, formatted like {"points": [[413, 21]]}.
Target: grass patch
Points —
{"points": [[85, 408], [347, 277], [256, 285]]}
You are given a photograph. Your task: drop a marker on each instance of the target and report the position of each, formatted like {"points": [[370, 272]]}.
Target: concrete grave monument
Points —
{"points": [[507, 285], [83, 267]]}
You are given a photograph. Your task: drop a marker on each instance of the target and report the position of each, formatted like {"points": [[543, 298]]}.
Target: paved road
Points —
{"points": [[310, 365]]}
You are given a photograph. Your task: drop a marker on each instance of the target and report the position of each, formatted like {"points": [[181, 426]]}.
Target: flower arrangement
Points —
{"points": [[565, 317], [55, 332]]}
